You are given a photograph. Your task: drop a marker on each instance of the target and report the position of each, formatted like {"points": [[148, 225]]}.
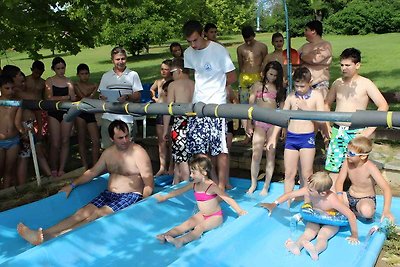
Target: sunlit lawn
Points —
{"points": [[379, 53]]}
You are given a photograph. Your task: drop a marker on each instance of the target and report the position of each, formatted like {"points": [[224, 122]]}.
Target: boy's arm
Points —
{"points": [[340, 180], [239, 59], [342, 208], [387, 192], [230, 77], [18, 121], [153, 90], [283, 198], [174, 193], [375, 95]]}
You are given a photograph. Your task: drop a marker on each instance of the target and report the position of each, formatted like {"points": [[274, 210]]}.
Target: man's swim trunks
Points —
{"points": [[246, 80], [116, 201], [340, 138], [295, 141], [353, 201], [207, 136], [180, 151]]}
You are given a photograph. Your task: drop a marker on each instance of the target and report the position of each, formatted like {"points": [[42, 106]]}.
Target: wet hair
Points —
{"points": [[37, 64], [11, 70], [119, 125], [118, 50], [360, 144], [247, 32], [174, 44], [191, 27], [302, 74], [56, 61], [81, 67], [315, 25], [180, 64], [351, 53], [281, 92], [276, 35], [209, 26], [4, 79], [320, 182], [202, 163]]}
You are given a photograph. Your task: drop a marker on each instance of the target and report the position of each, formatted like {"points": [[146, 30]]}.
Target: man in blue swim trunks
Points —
{"points": [[214, 71], [131, 180]]}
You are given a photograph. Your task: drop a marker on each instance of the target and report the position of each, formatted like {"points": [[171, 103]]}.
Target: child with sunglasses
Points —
{"points": [[363, 175]]}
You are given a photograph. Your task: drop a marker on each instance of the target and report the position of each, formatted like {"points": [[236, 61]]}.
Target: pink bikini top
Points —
{"points": [[203, 196], [266, 95]]}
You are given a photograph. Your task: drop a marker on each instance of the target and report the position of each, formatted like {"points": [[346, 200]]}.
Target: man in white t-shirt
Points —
{"points": [[128, 84], [214, 70]]}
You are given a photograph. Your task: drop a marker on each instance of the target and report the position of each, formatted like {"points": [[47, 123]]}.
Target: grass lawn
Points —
{"points": [[378, 62]]}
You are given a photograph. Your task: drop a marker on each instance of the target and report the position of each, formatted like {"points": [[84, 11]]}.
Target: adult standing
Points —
{"points": [[250, 57], [125, 80], [214, 71], [316, 55]]}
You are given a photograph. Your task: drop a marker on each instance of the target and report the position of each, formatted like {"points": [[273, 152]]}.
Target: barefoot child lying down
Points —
{"points": [[322, 198], [206, 193]]}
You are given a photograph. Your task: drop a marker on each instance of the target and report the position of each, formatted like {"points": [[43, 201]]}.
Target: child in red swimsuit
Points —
{"points": [[205, 193]]}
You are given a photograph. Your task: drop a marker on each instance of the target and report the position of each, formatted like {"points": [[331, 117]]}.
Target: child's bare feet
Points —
{"points": [[292, 247], [161, 238], [264, 192], [60, 173], [311, 250], [32, 236], [174, 241], [251, 189]]}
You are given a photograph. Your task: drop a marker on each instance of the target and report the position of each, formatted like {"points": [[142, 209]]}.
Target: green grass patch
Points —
{"points": [[378, 58]]}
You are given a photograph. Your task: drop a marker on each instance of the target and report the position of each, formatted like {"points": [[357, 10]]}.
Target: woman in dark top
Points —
{"points": [[59, 88]]}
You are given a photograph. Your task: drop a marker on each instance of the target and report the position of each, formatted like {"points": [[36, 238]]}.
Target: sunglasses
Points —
{"points": [[352, 154]]}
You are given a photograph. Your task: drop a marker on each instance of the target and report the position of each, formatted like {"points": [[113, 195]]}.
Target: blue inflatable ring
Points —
{"points": [[316, 216]]}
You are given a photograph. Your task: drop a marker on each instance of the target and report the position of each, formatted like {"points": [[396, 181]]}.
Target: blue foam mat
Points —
{"points": [[127, 238]]}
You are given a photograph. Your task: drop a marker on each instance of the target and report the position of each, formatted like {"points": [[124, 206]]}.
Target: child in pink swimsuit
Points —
{"points": [[268, 93], [205, 193]]}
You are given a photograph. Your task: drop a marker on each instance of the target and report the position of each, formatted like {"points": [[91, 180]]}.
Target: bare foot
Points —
{"points": [[292, 247], [311, 250], [60, 173], [174, 241], [54, 173], [161, 238], [32, 236], [160, 172], [251, 189], [264, 192]]}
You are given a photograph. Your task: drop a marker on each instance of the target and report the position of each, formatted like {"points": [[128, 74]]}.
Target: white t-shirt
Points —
{"points": [[128, 79], [210, 65]]}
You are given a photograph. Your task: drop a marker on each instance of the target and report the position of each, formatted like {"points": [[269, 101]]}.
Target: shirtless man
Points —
{"points": [[131, 179], [316, 55], [352, 92], [250, 56], [9, 138], [179, 91]]}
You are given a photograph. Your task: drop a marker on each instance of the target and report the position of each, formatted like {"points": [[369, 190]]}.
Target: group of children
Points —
{"points": [[318, 189], [46, 127]]}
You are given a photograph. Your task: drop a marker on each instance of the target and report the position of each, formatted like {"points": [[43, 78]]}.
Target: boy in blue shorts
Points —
{"points": [[300, 137]]}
